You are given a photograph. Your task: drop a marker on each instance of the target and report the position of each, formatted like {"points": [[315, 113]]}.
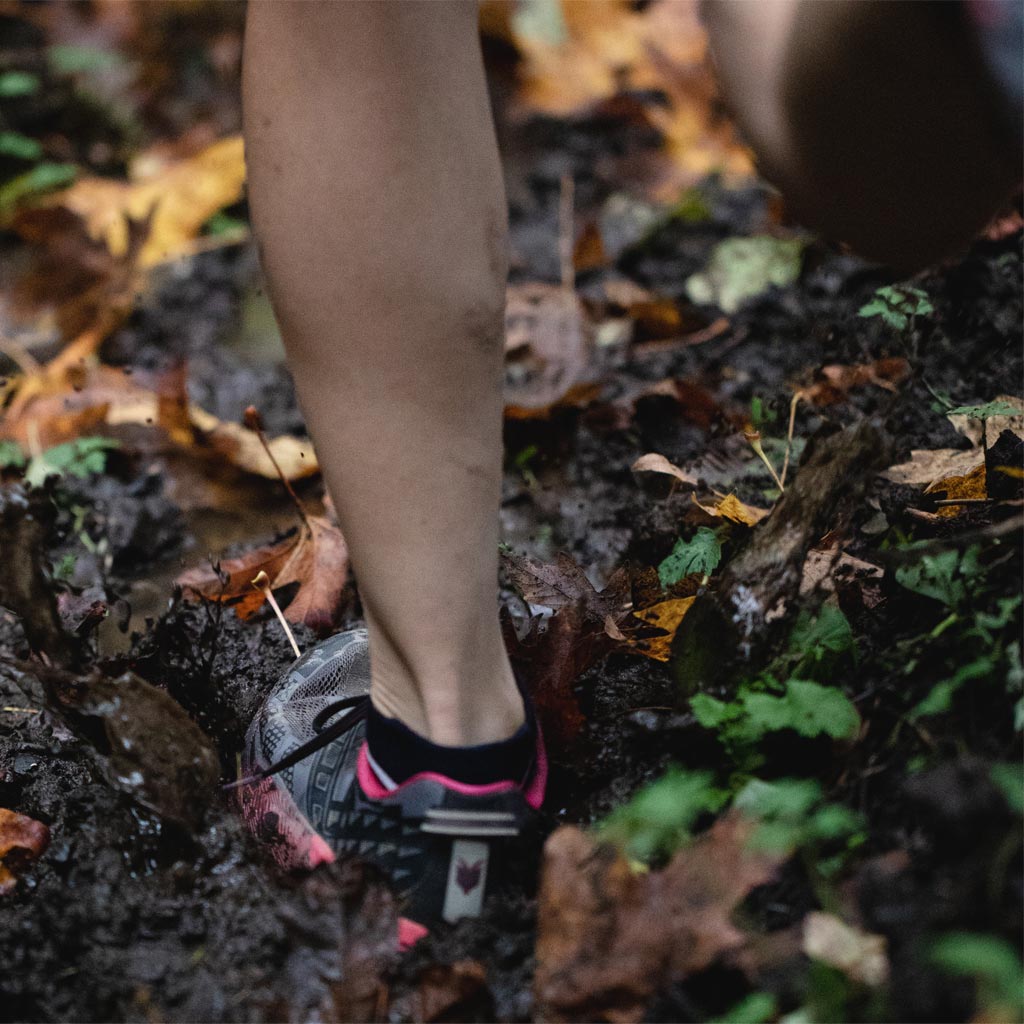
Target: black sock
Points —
{"points": [[399, 753]]}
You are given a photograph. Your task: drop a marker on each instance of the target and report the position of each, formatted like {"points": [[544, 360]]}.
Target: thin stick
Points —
{"points": [[20, 711], [754, 440], [255, 424], [789, 434], [566, 203], [262, 583]]}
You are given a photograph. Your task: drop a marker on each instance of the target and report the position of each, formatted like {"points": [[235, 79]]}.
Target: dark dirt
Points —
{"points": [[129, 915]]}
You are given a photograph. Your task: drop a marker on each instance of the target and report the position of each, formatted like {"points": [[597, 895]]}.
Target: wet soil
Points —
{"points": [[129, 915]]}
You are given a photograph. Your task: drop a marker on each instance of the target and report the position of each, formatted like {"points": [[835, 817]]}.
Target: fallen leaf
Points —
{"points": [[1005, 412], [823, 568], [548, 351], [314, 556], [553, 654], [730, 507], [654, 465], [860, 955], [182, 195], [609, 937], [925, 466], [837, 381], [22, 840], [970, 486], [577, 57], [666, 615]]}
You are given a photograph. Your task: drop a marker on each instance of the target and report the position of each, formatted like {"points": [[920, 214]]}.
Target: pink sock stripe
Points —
{"points": [[375, 790]]}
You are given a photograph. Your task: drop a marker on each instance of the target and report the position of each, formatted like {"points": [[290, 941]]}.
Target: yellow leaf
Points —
{"points": [[184, 195], [970, 486], [665, 615], [730, 507]]}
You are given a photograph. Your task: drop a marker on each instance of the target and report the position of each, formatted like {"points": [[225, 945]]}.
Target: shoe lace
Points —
{"points": [[357, 707]]}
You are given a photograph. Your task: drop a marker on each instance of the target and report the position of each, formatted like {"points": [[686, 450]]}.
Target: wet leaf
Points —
{"points": [[157, 754], [701, 555], [315, 557], [741, 269], [609, 937], [22, 840], [555, 653], [666, 615]]}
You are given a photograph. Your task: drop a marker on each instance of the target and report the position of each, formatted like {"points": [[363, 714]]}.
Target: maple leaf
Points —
{"points": [[22, 840], [609, 937], [314, 556]]}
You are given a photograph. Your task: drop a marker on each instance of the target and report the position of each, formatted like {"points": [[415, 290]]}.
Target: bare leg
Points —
{"points": [[377, 196]]}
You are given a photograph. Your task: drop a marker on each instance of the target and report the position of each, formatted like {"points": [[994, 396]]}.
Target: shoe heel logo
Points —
{"points": [[467, 876], [467, 879]]}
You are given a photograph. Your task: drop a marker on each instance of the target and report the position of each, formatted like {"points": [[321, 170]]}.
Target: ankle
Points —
{"points": [[474, 701]]}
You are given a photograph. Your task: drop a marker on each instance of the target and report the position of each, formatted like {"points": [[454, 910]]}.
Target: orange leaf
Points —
{"points": [[22, 840], [971, 486]]}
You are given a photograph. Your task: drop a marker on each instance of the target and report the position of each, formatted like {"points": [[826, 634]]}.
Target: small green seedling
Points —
{"points": [[701, 555], [898, 305]]}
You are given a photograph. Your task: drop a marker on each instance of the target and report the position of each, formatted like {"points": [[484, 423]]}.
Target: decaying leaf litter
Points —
{"points": [[762, 518]]}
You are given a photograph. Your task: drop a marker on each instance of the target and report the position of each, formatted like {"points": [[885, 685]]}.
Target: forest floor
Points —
{"points": [[784, 721]]}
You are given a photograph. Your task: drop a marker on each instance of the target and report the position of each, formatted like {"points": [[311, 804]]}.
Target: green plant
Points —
{"points": [[11, 455], [757, 1008], [997, 407], [80, 457], [993, 963], [819, 641], [792, 814], [763, 706], [701, 554], [898, 305], [658, 819]]}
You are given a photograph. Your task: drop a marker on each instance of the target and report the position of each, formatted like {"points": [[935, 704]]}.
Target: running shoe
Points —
{"points": [[310, 792]]}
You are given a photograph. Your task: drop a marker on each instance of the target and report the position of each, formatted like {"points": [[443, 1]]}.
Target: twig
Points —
{"points": [[20, 356], [20, 711], [789, 433], [262, 583], [566, 203], [754, 440], [255, 423]]}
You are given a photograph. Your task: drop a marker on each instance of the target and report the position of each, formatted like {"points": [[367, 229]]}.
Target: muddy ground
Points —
{"points": [[146, 908]]}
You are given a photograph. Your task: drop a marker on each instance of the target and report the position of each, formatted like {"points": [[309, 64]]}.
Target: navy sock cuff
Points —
{"points": [[400, 753]]}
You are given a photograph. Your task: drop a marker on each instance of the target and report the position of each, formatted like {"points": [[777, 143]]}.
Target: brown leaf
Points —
{"points": [[22, 840], [653, 464], [314, 556], [555, 654], [609, 937], [926, 466], [837, 380], [548, 351]]}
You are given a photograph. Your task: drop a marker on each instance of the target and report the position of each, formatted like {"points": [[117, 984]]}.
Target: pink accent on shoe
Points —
{"points": [[266, 806], [376, 790], [409, 933]]}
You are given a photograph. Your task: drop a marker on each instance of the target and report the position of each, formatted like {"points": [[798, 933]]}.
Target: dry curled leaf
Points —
{"points": [[609, 937], [730, 507], [22, 840], [314, 556], [654, 465]]}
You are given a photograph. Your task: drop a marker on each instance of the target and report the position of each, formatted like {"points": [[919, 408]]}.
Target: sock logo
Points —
{"points": [[468, 875]]}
